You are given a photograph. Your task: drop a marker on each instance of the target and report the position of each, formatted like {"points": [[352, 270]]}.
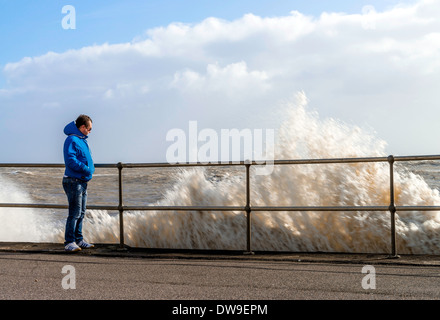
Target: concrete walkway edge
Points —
{"points": [[114, 250]]}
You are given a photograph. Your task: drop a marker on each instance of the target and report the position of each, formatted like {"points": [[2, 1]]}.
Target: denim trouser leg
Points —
{"points": [[76, 192]]}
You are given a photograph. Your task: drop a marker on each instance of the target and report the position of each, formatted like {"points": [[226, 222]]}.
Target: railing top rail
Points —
{"points": [[31, 165], [51, 165], [416, 158], [284, 162], [223, 208], [232, 163]]}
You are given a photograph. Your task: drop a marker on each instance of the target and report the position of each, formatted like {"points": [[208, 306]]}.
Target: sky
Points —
{"points": [[143, 68]]}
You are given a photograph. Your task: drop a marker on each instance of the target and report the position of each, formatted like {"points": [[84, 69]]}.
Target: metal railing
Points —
{"points": [[392, 208]]}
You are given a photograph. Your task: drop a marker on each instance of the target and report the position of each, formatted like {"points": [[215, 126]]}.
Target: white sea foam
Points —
{"points": [[302, 135], [18, 224]]}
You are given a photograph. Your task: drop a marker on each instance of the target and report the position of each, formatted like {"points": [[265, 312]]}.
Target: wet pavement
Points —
{"points": [[115, 250]]}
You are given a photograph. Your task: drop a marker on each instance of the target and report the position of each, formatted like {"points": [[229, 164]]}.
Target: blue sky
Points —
{"points": [[31, 28], [142, 68]]}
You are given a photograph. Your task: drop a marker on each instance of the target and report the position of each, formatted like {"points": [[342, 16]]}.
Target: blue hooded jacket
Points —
{"points": [[77, 155]]}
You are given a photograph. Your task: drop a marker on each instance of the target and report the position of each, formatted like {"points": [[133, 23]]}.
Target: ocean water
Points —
{"points": [[303, 134]]}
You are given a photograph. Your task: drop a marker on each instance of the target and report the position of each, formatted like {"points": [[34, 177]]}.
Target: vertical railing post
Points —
{"points": [[120, 207], [392, 209], [248, 211]]}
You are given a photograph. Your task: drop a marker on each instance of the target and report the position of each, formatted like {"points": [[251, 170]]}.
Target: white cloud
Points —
{"points": [[370, 68], [229, 80]]}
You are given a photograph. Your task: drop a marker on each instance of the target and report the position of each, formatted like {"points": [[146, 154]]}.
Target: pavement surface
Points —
{"points": [[215, 280]]}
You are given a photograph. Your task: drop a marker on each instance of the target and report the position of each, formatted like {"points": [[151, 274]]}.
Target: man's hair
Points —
{"points": [[82, 120]]}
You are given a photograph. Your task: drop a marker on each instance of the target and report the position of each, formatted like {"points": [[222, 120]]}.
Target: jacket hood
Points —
{"points": [[72, 129]]}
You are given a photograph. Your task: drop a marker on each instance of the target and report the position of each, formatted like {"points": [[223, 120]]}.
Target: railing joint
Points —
{"points": [[391, 159], [392, 208]]}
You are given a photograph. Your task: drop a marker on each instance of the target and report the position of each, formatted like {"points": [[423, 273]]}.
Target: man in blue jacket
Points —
{"points": [[79, 170]]}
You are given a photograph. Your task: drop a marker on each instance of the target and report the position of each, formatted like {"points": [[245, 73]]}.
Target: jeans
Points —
{"points": [[76, 191]]}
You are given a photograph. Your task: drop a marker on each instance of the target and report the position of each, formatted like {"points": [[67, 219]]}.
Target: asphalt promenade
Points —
{"points": [[173, 281]]}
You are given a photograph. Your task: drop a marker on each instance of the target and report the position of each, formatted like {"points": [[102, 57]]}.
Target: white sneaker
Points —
{"points": [[84, 245], [72, 247]]}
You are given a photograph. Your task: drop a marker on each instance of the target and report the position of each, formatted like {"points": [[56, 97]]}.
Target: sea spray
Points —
{"points": [[302, 135], [180, 229], [18, 224]]}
